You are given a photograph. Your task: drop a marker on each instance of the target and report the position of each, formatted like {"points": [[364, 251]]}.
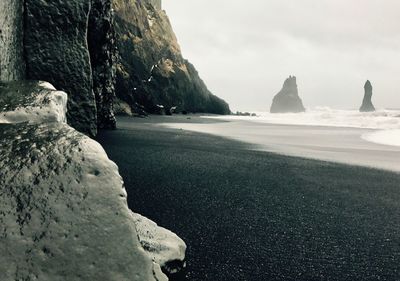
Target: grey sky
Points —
{"points": [[245, 49]]}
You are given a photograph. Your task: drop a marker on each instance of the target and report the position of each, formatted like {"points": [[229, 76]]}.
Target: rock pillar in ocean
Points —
{"points": [[288, 100], [367, 105], [11, 40]]}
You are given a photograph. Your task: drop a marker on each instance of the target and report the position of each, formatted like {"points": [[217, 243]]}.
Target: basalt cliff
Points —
{"points": [[95, 50], [151, 73], [63, 209]]}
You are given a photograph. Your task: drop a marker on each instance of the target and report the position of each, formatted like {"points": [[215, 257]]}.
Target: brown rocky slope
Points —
{"points": [[151, 72]]}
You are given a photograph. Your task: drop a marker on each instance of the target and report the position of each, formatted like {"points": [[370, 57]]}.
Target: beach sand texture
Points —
{"points": [[254, 215]]}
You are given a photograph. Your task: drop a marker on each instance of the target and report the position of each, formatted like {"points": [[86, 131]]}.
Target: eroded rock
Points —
{"points": [[151, 70], [31, 101], [288, 100], [63, 207], [101, 40], [12, 65], [56, 51], [163, 246], [367, 105]]}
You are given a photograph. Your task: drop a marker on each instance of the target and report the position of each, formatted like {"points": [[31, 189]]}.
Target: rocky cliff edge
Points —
{"points": [[151, 71]]}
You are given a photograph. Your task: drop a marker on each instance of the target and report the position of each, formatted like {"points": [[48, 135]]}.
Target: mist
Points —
{"points": [[245, 50]]}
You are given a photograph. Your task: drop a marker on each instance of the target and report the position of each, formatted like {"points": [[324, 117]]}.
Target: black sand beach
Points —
{"points": [[249, 215]]}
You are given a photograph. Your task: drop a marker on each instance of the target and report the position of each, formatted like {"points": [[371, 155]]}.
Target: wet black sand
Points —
{"points": [[249, 215]]}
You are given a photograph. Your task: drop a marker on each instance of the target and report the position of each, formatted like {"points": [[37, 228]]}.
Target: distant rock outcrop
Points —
{"points": [[288, 100], [151, 70], [367, 105]]}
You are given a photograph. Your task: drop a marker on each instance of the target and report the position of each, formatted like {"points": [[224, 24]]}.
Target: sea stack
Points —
{"points": [[367, 105], [288, 100]]}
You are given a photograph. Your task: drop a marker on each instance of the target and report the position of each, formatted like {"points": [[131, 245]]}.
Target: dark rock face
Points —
{"points": [[288, 100], [50, 230], [71, 44], [57, 51], [367, 105], [151, 70], [33, 101], [11, 40], [101, 40]]}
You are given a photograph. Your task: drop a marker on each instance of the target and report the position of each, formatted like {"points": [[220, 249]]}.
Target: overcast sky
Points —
{"points": [[244, 50]]}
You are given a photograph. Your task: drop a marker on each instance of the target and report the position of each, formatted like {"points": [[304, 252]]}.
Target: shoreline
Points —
{"points": [[344, 145], [253, 215]]}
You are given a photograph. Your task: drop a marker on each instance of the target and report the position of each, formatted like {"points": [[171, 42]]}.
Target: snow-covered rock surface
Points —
{"points": [[63, 209], [33, 101], [163, 246]]}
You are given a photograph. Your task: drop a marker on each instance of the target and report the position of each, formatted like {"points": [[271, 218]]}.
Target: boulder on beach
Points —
{"points": [[164, 247], [367, 105], [63, 207], [288, 100]]}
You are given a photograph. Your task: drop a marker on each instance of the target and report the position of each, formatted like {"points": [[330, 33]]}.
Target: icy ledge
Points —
{"points": [[36, 102], [63, 208], [163, 246]]}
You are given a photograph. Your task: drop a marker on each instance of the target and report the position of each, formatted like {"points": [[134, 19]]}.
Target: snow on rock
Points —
{"points": [[163, 246], [63, 207], [33, 101]]}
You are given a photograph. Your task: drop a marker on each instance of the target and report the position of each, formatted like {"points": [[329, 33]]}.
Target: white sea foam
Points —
{"points": [[387, 121], [387, 137], [325, 116]]}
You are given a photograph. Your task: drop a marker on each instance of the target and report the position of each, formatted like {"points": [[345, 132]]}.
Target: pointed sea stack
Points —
{"points": [[288, 100], [367, 105]]}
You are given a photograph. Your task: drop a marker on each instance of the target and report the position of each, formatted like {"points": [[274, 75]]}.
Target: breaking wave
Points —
{"points": [[387, 121]]}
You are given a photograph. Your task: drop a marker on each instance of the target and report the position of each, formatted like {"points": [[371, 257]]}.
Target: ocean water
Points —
{"points": [[385, 123], [342, 136]]}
